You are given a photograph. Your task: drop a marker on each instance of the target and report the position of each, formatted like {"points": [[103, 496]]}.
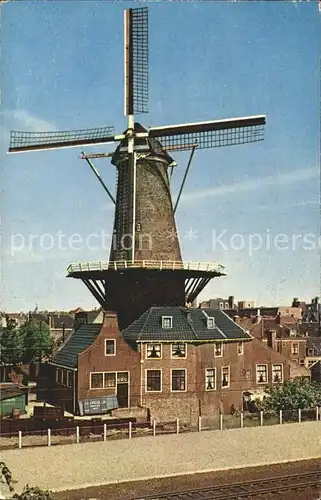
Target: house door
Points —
{"points": [[123, 389]]}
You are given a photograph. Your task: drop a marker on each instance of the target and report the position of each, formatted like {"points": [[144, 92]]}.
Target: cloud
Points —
{"points": [[278, 206], [21, 119], [299, 175]]}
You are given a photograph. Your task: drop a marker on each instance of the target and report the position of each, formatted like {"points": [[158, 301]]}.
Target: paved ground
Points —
{"points": [[75, 466]]}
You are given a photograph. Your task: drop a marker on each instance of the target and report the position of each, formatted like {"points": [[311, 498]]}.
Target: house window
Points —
{"points": [[225, 376], [210, 379], [59, 375], [221, 305], [240, 348], [64, 377], [210, 323], [178, 350], [110, 347], [154, 351], [310, 352], [167, 322], [277, 373], [261, 374], [295, 348], [218, 349], [301, 362], [109, 380], [178, 380], [226, 305], [96, 380], [138, 226], [153, 380], [69, 378], [122, 378]]}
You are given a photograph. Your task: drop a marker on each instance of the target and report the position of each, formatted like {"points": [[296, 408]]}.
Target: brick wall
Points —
{"points": [[93, 359]]}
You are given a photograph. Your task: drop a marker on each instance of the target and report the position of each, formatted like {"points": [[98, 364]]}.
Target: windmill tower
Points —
{"points": [[145, 266]]}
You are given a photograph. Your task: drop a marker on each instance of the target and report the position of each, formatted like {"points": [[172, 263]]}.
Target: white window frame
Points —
{"points": [[227, 305], [178, 357], [110, 387], [95, 388], [154, 343], [69, 378], [165, 318], [293, 349], [210, 323], [221, 305], [240, 352], [282, 378], [59, 371], [171, 383], [229, 377], [110, 340], [106, 387], [222, 348], [161, 380], [266, 371], [214, 388]]}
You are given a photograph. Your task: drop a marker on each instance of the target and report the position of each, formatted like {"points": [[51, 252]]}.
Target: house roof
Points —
{"points": [[82, 338], [8, 391], [314, 343], [188, 324]]}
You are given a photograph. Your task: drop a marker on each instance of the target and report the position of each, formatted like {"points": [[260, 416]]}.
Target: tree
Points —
{"points": [[295, 394], [11, 346], [28, 493], [37, 341]]}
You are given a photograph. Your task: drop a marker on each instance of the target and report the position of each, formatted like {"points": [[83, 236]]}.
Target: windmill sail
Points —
{"points": [[36, 141]]}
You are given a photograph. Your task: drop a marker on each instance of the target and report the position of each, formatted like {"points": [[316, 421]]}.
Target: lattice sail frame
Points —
{"points": [[57, 139], [211, 134], [136, 61]]}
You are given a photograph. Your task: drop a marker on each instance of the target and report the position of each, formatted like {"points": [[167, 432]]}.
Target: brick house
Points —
{"points": [[172, 361]]}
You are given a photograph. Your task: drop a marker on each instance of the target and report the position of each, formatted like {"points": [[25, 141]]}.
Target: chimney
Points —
{"points": [[271, 334], [231, 302]]}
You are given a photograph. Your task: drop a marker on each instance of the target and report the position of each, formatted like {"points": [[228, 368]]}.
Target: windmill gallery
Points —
{"points": [[153, 352]]}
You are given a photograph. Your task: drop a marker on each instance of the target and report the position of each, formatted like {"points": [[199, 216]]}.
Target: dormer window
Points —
{"points": [[167, 322], [210, 323]]}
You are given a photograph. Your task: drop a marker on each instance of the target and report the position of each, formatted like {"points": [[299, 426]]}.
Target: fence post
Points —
{"points": [[129, 430], [221, 421], [49, 437], [317, 413], [77, 434], [19, 439], [261, 417], [281, 417], [299, 419], [177, 426], [199, 424], [154, 427], [242, 419], [105, 432]]}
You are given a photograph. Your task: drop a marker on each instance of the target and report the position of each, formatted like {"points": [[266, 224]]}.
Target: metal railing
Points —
{"points": [[145, 264]]}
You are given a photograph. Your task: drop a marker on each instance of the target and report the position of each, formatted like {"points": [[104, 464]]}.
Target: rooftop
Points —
{"points": [[188, 324]]}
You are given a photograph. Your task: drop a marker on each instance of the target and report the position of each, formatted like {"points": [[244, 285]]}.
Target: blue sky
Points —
{"points": [[63, 68]]}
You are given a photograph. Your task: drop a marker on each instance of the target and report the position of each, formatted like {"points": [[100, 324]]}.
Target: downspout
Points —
{"points": [[141, 373], [74, 393]]}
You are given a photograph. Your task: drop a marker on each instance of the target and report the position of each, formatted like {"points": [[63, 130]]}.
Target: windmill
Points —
{"points": [[145, 266]]}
